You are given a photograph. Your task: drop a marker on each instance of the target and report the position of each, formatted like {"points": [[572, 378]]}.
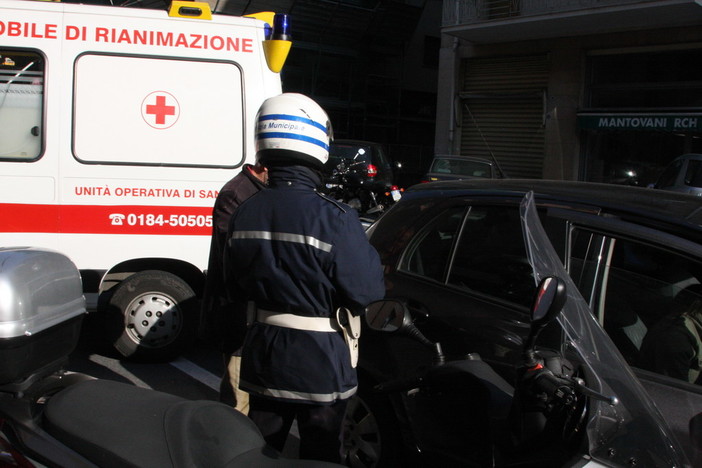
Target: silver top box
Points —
{"points": [[39, 289]]}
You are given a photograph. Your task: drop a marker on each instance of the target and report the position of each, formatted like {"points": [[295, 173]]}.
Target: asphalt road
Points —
{"points": [[195, 375]]}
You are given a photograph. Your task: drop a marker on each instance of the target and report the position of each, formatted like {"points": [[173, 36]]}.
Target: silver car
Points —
{"points": [[462, 167], [684, 175]]}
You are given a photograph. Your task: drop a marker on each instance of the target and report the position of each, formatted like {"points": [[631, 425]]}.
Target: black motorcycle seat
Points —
{"points": [[117, 425]]}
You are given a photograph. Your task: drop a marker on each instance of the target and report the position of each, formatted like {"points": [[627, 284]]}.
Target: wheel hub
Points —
{"points": [[153, 320]]}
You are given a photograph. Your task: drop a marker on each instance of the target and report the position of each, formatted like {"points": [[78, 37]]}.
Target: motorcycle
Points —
{"points": [[570, 400], [53, 418], [351, 182]]}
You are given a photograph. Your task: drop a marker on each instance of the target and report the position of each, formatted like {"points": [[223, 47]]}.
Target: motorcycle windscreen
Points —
{"points": [[632, 429]]}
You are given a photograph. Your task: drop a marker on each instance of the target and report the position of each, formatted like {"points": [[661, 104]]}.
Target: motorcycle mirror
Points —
{"points": [[548, 301]]}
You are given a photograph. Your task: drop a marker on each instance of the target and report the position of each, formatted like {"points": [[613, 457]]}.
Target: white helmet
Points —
{"points": [[292, 129]]}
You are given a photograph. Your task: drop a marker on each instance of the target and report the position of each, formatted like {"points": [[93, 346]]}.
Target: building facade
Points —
{"points": [[596, 90]]}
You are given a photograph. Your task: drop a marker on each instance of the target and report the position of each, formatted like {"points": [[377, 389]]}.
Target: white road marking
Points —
{"points": [[111, 363], [197, 373]]}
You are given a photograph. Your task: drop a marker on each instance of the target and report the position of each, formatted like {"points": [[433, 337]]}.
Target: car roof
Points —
{"points": [[695, 156], [648, 203], [463, 158]]}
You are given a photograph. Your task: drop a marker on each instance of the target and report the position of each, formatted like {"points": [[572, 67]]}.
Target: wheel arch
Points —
{"points": [[188, 272]]}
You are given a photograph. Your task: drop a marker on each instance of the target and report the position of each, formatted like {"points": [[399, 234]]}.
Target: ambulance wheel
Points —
{"points": [[152, 316]]}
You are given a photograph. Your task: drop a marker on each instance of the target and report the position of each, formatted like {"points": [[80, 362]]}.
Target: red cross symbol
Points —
{"points": [[160, 110], [159, 105]]}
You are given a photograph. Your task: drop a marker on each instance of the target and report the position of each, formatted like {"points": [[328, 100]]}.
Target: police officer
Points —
{"points": [[299, 257]]}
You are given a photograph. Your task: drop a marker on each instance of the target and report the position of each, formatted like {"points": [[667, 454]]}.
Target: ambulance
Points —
{"points": [[118, 126]]}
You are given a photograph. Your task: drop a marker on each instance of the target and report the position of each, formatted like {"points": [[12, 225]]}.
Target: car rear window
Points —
{"points": [[355, 153], [460, 167]]}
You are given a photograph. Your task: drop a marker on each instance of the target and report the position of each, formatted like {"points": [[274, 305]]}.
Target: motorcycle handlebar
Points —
{"points": [[541, 380]]}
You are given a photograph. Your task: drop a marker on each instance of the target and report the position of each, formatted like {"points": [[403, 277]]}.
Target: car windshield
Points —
{"points": [[464, 167], [631, 429]]}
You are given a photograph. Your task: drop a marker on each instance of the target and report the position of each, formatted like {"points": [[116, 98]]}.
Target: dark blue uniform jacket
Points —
{"points": [[292, 250]]}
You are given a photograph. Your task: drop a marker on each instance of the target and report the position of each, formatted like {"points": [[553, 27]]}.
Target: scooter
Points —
{"points": [[53, 418], [529, 425]]}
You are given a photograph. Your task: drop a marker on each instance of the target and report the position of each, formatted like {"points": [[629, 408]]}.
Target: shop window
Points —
{"points": [[644, 87], [21, 104]]}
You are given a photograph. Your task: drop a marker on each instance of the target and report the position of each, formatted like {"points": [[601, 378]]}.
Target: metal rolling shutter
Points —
{"points": [[503, 108]]}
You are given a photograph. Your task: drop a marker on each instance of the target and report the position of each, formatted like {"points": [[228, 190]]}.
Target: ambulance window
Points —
{"points": [[140, 110], [21, 104]]}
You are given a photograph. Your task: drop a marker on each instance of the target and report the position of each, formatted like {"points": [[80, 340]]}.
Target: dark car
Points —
{"points": [[359, 174], [462, 167], [367, 160], [455, 254]]}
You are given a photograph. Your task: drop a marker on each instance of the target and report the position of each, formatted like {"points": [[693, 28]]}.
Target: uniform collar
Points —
{"points": [[293, 176]]}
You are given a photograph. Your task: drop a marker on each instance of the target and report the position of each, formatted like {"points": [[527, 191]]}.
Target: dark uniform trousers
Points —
{"points": [[318, 425]]}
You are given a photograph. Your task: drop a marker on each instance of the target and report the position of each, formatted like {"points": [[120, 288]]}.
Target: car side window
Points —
{"points": [[649, 303], [429, 252], [491, 258]]}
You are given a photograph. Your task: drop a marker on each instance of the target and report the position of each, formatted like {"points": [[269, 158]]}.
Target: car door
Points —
{"points": [[466, 280], [645, 288], [467, 275]]}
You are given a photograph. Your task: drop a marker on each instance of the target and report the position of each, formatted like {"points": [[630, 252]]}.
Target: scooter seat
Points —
{"points": [[117, 425]]}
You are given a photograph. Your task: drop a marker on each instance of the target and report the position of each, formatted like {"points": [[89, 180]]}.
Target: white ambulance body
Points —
{"points": [[118, 127]]}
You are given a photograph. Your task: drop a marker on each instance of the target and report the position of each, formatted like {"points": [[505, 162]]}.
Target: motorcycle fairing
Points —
{"points": [[631, 431]]}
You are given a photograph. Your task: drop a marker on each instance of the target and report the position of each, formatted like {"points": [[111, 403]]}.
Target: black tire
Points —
{"points": [[152, 316], [372, 436]]}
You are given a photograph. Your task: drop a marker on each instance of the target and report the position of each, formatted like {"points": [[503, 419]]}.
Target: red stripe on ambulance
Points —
{"points": [[117, 219]]}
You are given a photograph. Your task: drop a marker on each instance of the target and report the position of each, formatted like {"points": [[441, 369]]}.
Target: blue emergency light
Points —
{"points": [[281, 27], [277, 40]]}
